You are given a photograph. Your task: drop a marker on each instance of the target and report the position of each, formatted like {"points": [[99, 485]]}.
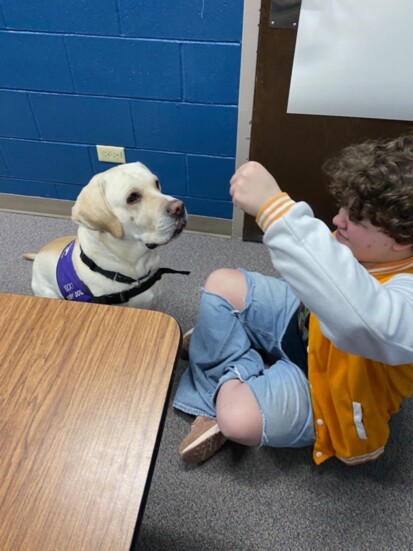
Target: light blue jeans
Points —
{"points": [[224, 346]]}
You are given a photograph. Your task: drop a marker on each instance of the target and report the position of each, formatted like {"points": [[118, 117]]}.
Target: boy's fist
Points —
{"points": [[252, 186]]}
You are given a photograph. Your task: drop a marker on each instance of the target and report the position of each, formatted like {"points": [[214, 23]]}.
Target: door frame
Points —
{"points": [[249, 48]]}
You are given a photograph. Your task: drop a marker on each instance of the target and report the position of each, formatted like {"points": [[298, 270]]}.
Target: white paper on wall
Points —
{"points": [[354, 58]]}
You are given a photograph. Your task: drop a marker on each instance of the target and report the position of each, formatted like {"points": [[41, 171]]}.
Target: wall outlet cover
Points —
{"points": [[111, 154]]}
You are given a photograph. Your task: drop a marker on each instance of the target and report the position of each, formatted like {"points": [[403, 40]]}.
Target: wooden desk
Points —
{"points": [[83, 395]]}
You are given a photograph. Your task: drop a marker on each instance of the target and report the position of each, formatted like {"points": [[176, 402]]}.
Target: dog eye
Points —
{"points": [[134, 197], [158, 185]]}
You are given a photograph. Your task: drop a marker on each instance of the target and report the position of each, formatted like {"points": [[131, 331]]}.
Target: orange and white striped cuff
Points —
{"points": [[273, 210]]}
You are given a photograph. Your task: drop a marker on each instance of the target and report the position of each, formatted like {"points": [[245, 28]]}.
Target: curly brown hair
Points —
{"points": [[374, 180]]}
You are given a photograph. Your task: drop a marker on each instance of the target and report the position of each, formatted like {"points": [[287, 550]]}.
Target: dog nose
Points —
{"points": [[176, 208]]}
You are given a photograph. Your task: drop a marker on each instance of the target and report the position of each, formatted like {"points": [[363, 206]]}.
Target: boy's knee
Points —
{"points": [[238, 414], [218, 279], [228, 284], [238, 425]]}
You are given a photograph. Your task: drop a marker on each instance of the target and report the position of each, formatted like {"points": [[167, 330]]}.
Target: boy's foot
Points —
{"points": [[185, 344], [204, 440]]}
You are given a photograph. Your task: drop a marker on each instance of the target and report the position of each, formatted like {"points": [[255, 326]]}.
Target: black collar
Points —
{"points": [[107, 273], [124, 296], [140, 285]]}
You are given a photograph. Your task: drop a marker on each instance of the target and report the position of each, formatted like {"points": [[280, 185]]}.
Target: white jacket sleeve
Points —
{"points": [[356, 312]]}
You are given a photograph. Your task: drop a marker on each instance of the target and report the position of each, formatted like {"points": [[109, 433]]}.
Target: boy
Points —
{"points": [[338, 373]]}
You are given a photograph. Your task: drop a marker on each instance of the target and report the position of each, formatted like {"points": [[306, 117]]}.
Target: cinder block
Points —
{"points": [[187, 128], [34, 62], [211, 73], [16, 119], [44, 161], [125, 67], [209, 207], [215, 20], [27, 187], [169, 167], [69, 192], [72, 16], [81, 119], [4, 171], [209, 177]]}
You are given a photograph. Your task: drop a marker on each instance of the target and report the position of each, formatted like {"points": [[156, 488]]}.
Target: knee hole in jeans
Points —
{"points": [[229, 284]]}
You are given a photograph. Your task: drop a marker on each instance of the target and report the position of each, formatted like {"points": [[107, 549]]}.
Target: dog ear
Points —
{"points": [[92, 210]]}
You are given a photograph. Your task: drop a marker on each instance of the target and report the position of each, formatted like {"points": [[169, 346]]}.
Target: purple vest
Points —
{"points": [[71, 287]]}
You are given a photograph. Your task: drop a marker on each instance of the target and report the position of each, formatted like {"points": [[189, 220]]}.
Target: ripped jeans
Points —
{"points": [[224, 346]]}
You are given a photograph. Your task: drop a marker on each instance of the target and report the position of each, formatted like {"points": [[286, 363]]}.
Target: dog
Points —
{"points": [[123, 217]]}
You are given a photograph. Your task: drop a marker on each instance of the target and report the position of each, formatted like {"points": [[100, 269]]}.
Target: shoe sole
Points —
{"points": [[203, 447]]}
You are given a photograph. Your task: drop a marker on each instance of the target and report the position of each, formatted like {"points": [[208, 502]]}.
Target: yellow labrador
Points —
{"points": [[122, 216]]}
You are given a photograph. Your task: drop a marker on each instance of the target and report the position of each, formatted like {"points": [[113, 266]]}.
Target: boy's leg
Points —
{"points": [[221, 351], [273, 409], [238, 414], [226, 283], [219, 343]]}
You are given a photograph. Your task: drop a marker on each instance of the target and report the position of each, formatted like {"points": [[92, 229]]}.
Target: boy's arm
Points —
{"points": [[356, 312]]}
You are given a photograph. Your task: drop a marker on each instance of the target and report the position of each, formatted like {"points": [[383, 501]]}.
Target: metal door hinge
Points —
{"points": [[284, 14]]}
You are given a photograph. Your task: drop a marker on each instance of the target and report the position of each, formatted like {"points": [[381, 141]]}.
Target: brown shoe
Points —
{"points": [[185, 344], [204, 440]]}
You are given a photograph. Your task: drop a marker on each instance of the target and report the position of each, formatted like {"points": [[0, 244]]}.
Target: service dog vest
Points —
{"points": [[70, 285], [73, 288]]}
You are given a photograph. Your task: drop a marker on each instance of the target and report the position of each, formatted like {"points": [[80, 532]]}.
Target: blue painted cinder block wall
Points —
{"points": [[159, 77]]}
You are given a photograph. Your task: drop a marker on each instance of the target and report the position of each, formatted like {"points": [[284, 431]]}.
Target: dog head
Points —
{"points": [[126, 201]]}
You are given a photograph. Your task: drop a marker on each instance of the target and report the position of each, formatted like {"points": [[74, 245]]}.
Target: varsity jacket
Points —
{"points": [[360, 355]]}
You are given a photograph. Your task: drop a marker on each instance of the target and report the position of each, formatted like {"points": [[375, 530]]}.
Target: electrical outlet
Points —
{"points": [[111, 154]]}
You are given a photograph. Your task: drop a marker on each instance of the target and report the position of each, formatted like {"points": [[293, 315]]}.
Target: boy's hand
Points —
{"points": [[252, 186]]}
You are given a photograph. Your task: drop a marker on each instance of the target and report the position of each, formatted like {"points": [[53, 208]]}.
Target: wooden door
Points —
{"points": [[294, 147]]}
